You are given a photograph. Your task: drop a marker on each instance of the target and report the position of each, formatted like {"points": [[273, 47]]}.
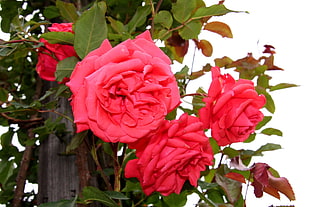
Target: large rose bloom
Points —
{"points": [[50, 54], [232, 108], [178, 152], [123, 93]]}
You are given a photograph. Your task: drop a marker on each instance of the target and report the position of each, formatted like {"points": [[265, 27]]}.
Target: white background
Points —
{"points": [[285, 25]]}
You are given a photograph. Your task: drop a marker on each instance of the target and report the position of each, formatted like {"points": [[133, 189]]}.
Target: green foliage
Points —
{"points": [[24, 97]]}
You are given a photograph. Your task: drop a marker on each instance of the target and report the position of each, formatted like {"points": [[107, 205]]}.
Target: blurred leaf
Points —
{"points": [[219, 28], [116, 195], [139, 18], [4, 94], [90, 29], [231, 187], [51, 12], [182, 9], [172, 115], [163, 18], [205, 46], [223, 62], [6, 138], [67, 10], [65, 67], [191, 30], [59, 37], [282, 86], [272, 131], [177, 45], [231, 152], [9, 10], [214, 10], [117, 26]]}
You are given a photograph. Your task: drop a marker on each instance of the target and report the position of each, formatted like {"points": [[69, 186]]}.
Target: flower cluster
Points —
{"points": [[123, 94]]}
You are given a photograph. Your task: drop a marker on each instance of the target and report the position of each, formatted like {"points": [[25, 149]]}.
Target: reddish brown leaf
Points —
{"points": [[205, 46], [282, 185], [264, 181], [269, 49], [219, 28], [236, 176], [179, 44]]}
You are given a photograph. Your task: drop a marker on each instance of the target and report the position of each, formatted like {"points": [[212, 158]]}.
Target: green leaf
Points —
{"points": [[116, 195], [265, 120], [67, 10], [163, 18], [282, 86], [90, 29], [176, 200], [6, 171], [94, 194], [231, 187], [61, 203], [214, 10], [139, 18], [76, 141], [272, 131], [197, 101], [267, 147], [9, 10], [6, 138], [65, 67], [59, 37], [182, 9], [191, 30]]}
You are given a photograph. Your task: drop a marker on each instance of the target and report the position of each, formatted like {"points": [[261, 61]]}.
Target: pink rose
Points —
{"points": [[50, 54], [232, 108], [179, 151], [123, 93]]}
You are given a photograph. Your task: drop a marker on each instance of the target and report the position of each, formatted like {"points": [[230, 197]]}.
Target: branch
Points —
{"points": [[24, 165]]}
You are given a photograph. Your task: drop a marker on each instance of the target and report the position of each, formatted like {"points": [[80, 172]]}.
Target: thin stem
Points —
{"points": [[205, 199], [117, 175], [195, 94]]}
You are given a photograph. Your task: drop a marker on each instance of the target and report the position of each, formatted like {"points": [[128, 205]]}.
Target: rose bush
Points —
{"points": [[232, 108], [50, 54], [123, 93], [179, 151]]}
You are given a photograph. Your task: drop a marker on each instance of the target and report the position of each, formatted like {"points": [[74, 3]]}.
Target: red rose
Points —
{"points": [[179, 151], [50, 54], [232, 108], [123, 93]]}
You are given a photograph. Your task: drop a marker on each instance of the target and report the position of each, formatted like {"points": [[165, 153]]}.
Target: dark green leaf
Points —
{"points": [[76, 141], [214, 10], [6, 138], [61, 203], [272, 131], [197, 101], [172, 115], [59, 37], [6, 171], [94, 194], [230, 152], [164, 18], [182, 9], [139, 18], [65, 67], [90, 29], [116, 195], [282, 86], [176, 200], [67, 10], [9, 10], [191, 30]]}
